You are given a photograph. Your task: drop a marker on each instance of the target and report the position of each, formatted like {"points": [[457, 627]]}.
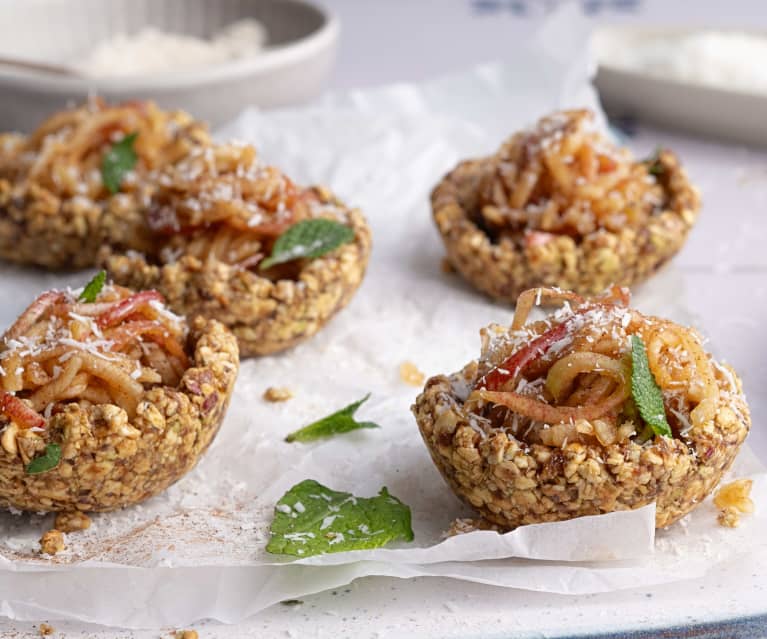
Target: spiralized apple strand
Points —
{"points": [[58, 387]]}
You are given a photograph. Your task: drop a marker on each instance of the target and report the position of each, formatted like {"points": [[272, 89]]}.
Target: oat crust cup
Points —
{"points": [[559, 205], [55, 209], [215, 219], [119, 395], [544, 427], [190, 218]]}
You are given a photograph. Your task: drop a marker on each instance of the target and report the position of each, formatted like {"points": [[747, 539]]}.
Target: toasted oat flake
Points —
{"points": [[733, 500], [277, 394], [409, 373]]}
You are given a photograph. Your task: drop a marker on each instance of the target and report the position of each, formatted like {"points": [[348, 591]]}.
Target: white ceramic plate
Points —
{"points": [[293, 68], [727, 114]]}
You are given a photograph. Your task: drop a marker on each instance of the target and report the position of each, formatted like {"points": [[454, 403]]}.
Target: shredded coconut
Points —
{"points": [[734, 61], [154, 51]]}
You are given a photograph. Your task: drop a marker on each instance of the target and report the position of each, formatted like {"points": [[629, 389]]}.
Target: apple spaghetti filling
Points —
{"points": [[222, 204], [104, 345], [563, 177], [64, 158], [587, 373]]}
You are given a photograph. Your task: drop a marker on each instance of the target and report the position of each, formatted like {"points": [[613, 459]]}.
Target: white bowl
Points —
{"points": [[293, 68]]}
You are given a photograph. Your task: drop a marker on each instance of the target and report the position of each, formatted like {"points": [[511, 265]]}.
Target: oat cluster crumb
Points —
{"points": [[52, 542], [409, 373], [559, 205], [734, 499], [277, 394], [46, 629], [186, 634]]}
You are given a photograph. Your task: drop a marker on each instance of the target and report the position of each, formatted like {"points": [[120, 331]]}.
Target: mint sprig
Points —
{"points": [[342, 421], [645, 390], [308, 239], [118, 161], [654, 166], [311, 519], [93, 288], [47, 461]]}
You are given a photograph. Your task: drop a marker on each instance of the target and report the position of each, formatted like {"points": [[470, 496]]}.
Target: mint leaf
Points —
{"points": [[654, 166], [312, 519], [645, 390], [45, 462], [308, 239], [120, 159], [341, 421], [93, 288]]}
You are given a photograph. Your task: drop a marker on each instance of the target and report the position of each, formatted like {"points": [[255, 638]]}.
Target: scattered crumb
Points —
{"points": [[277, 394], [732, 500], [466, 525], [729, 517], [447, 267], [52, 542], [186, 634], [409, 373], [71, 522], [46, 630]]}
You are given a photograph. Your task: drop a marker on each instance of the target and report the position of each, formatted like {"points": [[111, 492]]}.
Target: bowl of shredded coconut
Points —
{"points": [[707, 81], [209, 58]]}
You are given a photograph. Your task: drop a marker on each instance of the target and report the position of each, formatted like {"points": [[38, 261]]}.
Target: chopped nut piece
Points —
{"points": [[71, 522], [732, 500], [46, 630], [409, 373], [277, 394], [52, 542]]}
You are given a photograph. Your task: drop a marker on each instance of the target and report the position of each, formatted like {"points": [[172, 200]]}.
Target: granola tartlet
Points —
{"points": [[546, 425], [559, 205], [215, 218], [107, 403], [55, 208]]}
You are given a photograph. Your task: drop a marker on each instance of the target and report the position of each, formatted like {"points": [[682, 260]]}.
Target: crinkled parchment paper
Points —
{"points": [[197, 551]]}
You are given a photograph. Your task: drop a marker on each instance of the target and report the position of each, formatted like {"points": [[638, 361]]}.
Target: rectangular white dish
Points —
{"points": [[727, 114]]}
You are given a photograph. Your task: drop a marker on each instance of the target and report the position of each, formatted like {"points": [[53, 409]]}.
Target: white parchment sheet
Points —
{"points": [[197, 551]]}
